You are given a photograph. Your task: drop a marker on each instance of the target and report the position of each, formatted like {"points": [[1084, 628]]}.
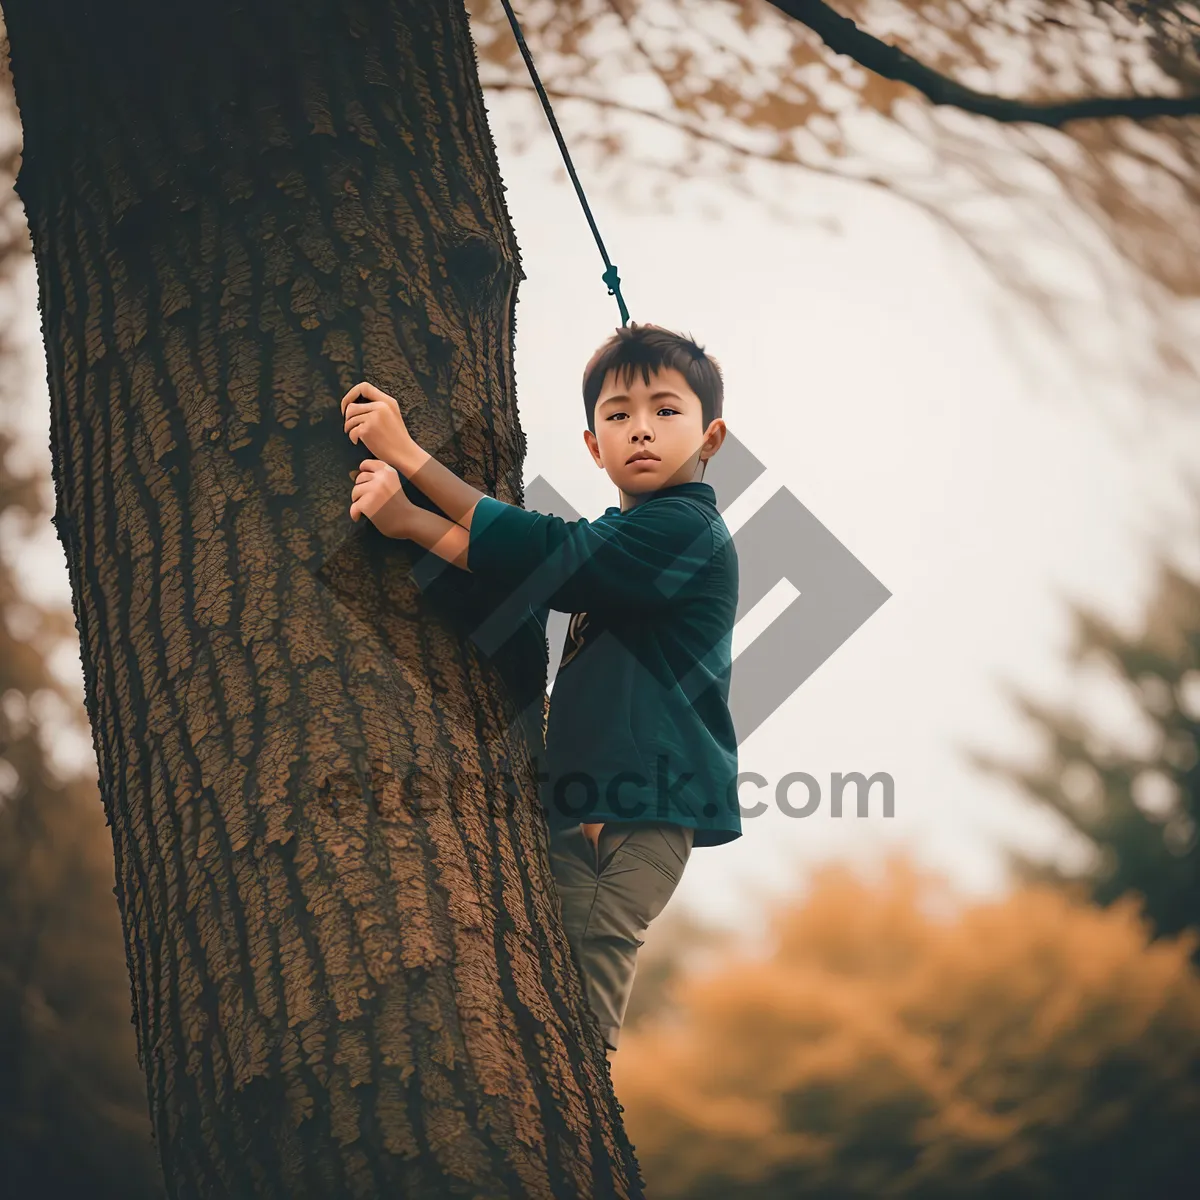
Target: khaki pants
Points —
{"points": [[610, 893]]}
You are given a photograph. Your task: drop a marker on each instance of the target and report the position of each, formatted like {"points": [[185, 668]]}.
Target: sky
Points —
{"points": [[868, 372]]}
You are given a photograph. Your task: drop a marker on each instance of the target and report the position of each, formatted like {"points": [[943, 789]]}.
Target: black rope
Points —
{"points": [[610, 276]]}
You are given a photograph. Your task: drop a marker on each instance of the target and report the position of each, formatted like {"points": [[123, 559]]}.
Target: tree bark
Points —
{"points": [[348, 967]]}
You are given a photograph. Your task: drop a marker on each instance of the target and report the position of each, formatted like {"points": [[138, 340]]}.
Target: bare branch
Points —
{"points": [[843, 36], [606, 102], [940, 215]]}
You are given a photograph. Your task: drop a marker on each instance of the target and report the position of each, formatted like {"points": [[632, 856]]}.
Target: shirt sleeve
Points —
{"points": [[472, 596], [645, 559]]}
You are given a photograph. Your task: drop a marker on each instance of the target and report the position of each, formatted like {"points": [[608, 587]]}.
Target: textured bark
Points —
{"points": [[348, 968]]}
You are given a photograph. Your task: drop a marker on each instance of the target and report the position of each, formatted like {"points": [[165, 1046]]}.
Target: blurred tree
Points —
{"points": [[893, 1041], [73, 1116], [1132, 797]]}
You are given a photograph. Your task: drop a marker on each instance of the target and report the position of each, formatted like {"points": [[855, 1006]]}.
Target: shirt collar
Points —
{"points": [[702, 491]]}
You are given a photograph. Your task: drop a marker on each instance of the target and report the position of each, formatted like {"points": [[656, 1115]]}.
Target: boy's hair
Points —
{"points": [[653, 348]]}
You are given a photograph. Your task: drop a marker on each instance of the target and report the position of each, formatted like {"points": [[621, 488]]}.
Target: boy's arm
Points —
{"points": [[642, 560], [454, 496], [374, 415], [432, 531]]}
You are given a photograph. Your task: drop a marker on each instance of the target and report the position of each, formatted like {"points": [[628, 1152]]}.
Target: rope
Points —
{"points": [[610, 276]]}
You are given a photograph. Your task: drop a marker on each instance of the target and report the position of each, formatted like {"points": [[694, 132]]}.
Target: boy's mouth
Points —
{"points": [[641, 456]]}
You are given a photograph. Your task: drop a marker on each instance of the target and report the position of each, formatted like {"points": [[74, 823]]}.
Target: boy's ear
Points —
{"points": [[714, 435], [589, 440]]}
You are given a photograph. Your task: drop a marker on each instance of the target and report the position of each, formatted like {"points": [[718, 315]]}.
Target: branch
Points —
{"points": [[927, 208], [843, 36], [632, 110]]}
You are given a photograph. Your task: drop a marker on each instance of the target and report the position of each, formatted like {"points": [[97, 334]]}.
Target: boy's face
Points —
{"points": [[663, 419]]}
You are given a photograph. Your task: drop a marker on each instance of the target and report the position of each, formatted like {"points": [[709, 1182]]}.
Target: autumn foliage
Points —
{"points": [[893, 1042]]}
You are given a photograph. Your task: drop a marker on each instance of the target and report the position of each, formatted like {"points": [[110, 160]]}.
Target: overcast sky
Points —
{"points": [[867, 371]]}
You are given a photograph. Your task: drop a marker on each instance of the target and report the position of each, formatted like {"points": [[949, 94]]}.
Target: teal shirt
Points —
{"points": [[639, 727]]}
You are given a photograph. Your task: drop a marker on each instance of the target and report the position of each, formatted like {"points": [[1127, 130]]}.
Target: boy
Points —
{"points": [[639, 720]]}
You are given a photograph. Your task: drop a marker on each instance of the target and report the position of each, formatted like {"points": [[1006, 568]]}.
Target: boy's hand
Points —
{"points": [[373, 419], [379, 497]]}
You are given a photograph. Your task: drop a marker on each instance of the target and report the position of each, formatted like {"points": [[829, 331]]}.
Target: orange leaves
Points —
{"points": [[890, 1045]]}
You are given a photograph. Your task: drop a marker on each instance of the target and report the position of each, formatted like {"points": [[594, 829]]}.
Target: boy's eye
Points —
{"points": [[665, 408]]}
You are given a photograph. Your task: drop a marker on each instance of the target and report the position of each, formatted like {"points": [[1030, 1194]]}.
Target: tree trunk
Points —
{"points": [[348, 966]]}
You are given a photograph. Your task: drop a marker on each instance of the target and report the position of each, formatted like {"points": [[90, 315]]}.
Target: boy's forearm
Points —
{"points": [[454, 496], [434, 532]]}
